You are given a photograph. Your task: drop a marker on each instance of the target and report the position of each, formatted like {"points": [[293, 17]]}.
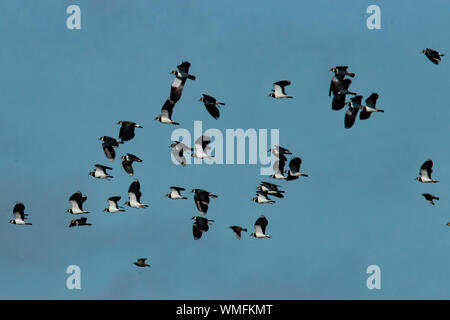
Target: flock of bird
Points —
{"points": [[339, 87]]}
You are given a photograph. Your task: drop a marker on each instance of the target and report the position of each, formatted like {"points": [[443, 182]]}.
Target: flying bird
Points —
{"points": [[341, 71], [183, 71], [260, 228], [76, 201], [271, 189], [177, 86], [339, 88], [166, 113], [113, 205], [238, 230], [429, 197], [127, 162], [433, 55], [211, 105], [369, 108], [352, 112], [278, 169], [425, 172], [108, 146], [175, 193], [134, 195], [79, 222], [201, 199], [19, 215], [200, 225], [262, 198], [294, 169], [278, 91], [100, 172], [126, 132], [279, 152], [178, 149], [141, 262], [201, 146]]}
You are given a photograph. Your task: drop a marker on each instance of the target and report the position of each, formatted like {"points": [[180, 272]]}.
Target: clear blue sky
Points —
{"points": [[60, 90]]}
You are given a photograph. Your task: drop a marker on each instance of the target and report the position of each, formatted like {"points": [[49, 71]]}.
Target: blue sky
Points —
{"points": [[61, 89]]}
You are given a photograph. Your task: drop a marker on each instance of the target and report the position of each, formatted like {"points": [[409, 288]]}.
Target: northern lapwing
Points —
{"points": [[176, 193], [201, 146], [127, 163], [278, 169], [211, 104], [201, 199], [433, 55], [178, 150], [350, 115], [134, 195], [237, 231], [279, 152], [278, 91], [79, 222], [341, 71], [19, 215], [294, 169], [76, 201], [271, 189], [166, 113], [370, 107], [425, 172], [260, 228], [262, 198], [113, 205], [339, 88], [141, 262], [200, 226], [100, 172], [126, 132], [429, 197], [108, 146]]}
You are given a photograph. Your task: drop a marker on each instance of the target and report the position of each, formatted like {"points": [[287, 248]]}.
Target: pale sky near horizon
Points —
{"points": [[60, 90]]}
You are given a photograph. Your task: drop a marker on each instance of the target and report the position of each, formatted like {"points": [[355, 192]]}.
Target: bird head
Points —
{"points": [[194, 190], [123, 157], [167, 195], [423, 51], [271, 94], [127, 203], [158, 118], [254, 199], [259, 188], [101, 138], [69, 210], [333, 70], [106, 209], [120, 122], [202, 99], [92, 173], [12, 221], [253, 234], [175, 72]]}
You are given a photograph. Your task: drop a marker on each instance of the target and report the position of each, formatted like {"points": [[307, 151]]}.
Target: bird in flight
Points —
{"points": [[294, 169], [113, 206], [429, 197], [201, 199], [76, 201], [178, 149], [141, 262], [19, 215], [211, 105], [176, 193], [369, 108], [278, 91], [127, 162], [126, 132], [238, 230], [108, 145], [166, 113], [352, 112], [433, 55], [271, 189], [200, 226], [201, 146], [262, 198], [260, 228], [278, 169], [134, 195], [100, 172], [79, 222], [425, 172]]}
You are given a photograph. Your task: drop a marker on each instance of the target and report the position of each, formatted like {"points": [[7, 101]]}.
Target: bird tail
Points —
{"points": [[175, 123], [190, 76], [184, 198], [351, 74], [28, 223], [118, 141], [380, 110], [289, 97], [244, 229], [304, 175], [212, 195], [441, 54], [437, 198], [221, 103]]}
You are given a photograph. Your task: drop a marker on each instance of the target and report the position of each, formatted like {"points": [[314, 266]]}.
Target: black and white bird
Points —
{"points": [[370, 107], [262, 198], [76, 201], [113, 205], [200, 225], [134, 195], [278, 169], [433, 55], [201, 146], [425, 172], [341, 71], [176, 193], [108, 146], [339, 88], [126, 132], [79, 222], [127, 163], [166, 113], [178, 151], [278, 91], [279, 152], [271, 189], [294, 169], [100, 172], [352, 112], [238, 230], [211, 105], [141, 262], [201, 199], [260, 228], [19, 215], [177, 86], [429, 197]]}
